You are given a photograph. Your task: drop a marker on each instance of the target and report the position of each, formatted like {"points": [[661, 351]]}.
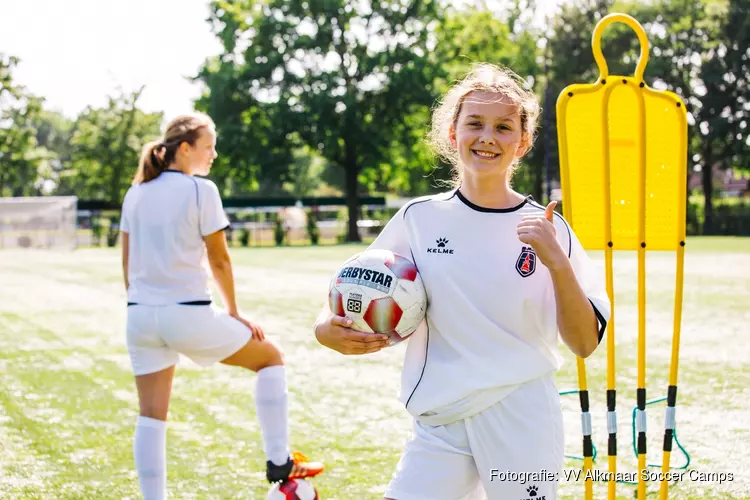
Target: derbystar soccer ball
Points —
{"points": [[381, 292], [293, 489]]}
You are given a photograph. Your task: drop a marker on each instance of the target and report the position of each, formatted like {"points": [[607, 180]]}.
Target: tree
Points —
{"points": [[107, 144], [699, 51], [722, 116], [568, 59], [689, 54], [20, 156], [339, 76], [53, 133], [255, 146], [477, 34]]}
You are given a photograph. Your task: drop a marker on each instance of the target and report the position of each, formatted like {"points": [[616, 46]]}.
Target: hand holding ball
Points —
{"points": [[381, 292]]}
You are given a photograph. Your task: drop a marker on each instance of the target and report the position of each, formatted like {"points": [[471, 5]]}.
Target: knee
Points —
{"points": [[273, 355], [256, 355], [267, 353]]}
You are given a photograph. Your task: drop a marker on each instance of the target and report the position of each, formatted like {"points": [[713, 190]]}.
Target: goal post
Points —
{"points": [[39, 222]]}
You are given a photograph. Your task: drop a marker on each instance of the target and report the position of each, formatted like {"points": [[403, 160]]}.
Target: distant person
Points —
{"points": [[479, 374], [171, 222]]}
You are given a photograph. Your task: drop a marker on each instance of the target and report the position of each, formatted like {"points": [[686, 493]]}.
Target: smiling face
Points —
{"points": [[488, 135]]}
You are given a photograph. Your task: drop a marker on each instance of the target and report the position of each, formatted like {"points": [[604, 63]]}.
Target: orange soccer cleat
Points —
{"points": [[297, 467]]}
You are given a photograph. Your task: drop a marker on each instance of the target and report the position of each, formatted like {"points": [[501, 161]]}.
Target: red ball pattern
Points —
{"points": [[402, 268], [289, 489], [383, 315], [336, 302]]}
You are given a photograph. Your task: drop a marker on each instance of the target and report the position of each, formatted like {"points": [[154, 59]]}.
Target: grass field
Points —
{"points": [[68, 403]]}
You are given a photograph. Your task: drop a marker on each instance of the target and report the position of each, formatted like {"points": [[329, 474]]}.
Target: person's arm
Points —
{"points": [[125, 238], [124, 241], [577, 319], [221, 269], [212, 223]]}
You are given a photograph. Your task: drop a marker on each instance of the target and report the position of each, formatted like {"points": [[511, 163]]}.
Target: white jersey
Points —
{"points": [[491, 318], [166, 220]]}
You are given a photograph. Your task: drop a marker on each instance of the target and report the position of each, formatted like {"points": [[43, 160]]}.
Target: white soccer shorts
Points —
{"points": [[513, 450], [156, 335]]}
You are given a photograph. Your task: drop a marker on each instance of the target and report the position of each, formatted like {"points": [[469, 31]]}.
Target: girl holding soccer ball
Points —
{"points": [[172, 222], [479, 374]]}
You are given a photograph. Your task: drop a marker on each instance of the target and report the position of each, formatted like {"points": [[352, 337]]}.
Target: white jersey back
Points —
{"points": [[166, 219], [491, 319]]}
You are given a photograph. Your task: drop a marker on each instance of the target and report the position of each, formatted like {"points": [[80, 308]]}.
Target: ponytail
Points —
{"points": [[157, 156], [151, 165]]}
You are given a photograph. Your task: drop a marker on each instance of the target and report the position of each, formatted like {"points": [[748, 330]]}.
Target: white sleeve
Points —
{"points": [[124, 224], [212, 215], [590, 277], [394, 236]]}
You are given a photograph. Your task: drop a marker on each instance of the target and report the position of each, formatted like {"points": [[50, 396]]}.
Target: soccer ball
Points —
{"points": [[293, 489], [381, 292]]}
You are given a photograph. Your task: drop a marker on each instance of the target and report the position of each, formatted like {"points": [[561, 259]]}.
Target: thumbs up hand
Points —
{"points": [[539, 232], [549, 212]]}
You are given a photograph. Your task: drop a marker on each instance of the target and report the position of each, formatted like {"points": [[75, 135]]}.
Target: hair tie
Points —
{"points": [[159, 153]]}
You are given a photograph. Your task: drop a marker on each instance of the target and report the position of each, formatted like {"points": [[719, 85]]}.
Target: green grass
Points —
{"points": [[720, 244], [68, 402]]}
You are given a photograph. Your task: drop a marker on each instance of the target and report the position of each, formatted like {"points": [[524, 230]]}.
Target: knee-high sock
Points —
{"points": [[272, 408], [150, 452]]}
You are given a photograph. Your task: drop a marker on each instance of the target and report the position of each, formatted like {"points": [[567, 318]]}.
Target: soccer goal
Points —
{"points": [[38, 222]]}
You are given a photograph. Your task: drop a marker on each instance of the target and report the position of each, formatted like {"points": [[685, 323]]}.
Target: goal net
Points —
{"points": [[38, 222]]}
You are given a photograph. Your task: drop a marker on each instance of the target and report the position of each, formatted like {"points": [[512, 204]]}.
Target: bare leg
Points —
{"points": [[154, 392], [256, 355], [150, 446]]}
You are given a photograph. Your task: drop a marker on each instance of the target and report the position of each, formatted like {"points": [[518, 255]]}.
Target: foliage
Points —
{"points": [[337, 76], [335, 96], [107, 144], [279, 229], [731, 217], [20, 156], [313, 232], [244, 236]]}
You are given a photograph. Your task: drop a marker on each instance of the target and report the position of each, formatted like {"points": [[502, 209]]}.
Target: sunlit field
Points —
{"points": [[68, 402]]}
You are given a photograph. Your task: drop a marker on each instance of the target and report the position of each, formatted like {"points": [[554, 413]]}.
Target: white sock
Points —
{"points": [[271, 406], [150, 452]]}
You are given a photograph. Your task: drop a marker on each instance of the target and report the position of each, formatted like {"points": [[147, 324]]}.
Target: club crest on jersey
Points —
{"points": [[526, 263]]}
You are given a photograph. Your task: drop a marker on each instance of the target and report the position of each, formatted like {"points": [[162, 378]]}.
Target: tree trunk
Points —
{"points": [[707, 175], [17, 189], [352, 202]]}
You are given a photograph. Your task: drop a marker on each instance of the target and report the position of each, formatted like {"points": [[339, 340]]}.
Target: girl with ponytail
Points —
{"points": [[172, 222]]}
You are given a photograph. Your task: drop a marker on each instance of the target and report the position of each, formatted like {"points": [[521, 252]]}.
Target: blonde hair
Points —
{"points": [[483, 77], [158, 155]]}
